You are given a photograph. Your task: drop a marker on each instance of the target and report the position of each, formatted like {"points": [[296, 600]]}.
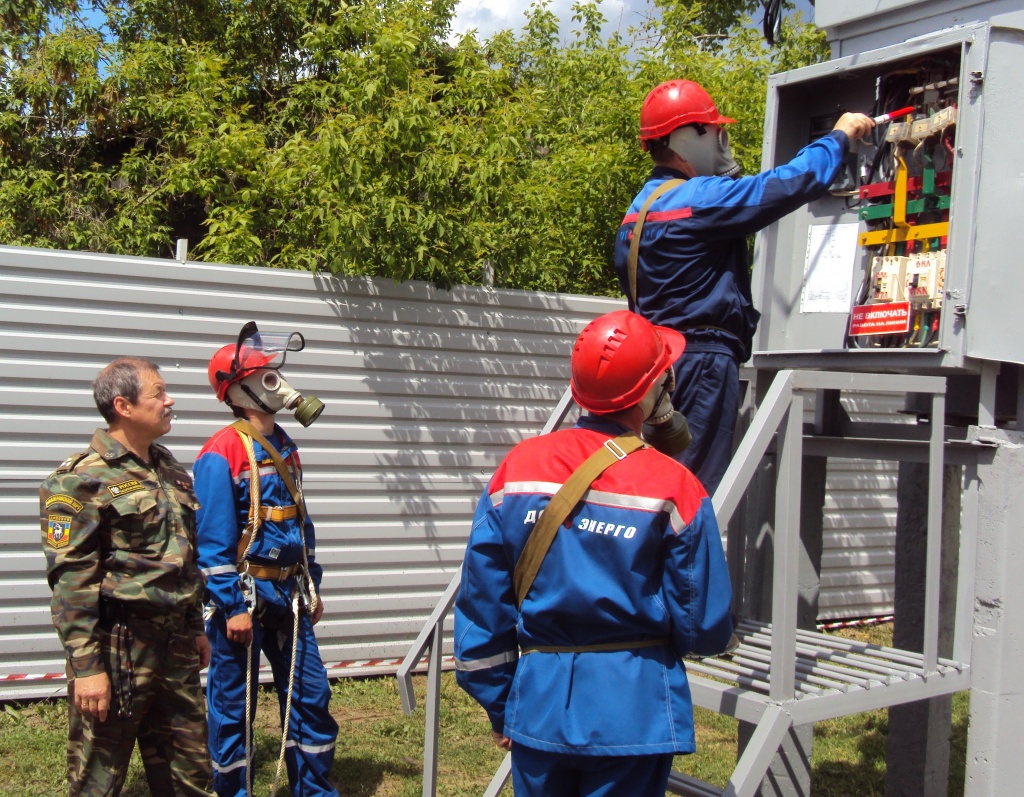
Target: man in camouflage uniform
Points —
{"points": [[118, 528]]}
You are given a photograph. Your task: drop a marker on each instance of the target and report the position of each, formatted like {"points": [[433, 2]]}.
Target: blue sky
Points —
{"points": [[490, 16]]}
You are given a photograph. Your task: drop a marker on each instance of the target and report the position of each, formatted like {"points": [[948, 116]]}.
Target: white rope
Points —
{"points": [[248, 723], [254, 492], [291, 685], [254, 521], [314, 599]]}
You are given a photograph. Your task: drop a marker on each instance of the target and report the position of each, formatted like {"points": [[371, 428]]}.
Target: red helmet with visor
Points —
{"points": [[252, 351]]}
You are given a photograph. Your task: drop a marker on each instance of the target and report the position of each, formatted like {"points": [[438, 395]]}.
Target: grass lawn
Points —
{"points": [[380, 750]]}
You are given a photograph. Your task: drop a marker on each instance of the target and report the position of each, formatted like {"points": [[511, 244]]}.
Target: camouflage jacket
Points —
{"points": [[116, 528]]}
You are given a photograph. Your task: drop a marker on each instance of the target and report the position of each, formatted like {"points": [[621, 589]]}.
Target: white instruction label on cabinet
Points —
{"points": [[828, 269]]}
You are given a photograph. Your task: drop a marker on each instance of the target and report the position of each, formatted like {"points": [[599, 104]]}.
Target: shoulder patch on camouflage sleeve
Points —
{"points": [[58, 532], [66, 500], [125, 487], [70, 462]]}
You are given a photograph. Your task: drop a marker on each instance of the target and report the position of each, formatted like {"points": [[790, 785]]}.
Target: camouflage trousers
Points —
{"points": [[160, 686]]}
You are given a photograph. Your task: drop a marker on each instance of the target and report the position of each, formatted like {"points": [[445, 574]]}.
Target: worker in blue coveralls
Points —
{"points": [[257, 551], [580, 670], [692, 271]]}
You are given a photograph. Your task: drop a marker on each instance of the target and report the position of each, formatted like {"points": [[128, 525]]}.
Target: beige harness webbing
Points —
{"points": [[561, 504], [603, 647], [634, 244]]}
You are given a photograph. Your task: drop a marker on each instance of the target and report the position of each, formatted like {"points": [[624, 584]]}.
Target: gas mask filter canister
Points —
{"points": [[664, 427]]}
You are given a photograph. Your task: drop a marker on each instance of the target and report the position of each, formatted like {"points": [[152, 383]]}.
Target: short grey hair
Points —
{"points": [[120, 378]]}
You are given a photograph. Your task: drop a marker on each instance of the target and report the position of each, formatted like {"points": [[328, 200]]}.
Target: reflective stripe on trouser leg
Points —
{"points": [[225, 697], [309, 755]]}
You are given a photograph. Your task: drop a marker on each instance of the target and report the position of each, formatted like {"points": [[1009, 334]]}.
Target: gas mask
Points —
{"points": [[706, 147], [258, 359], [665, 428]]}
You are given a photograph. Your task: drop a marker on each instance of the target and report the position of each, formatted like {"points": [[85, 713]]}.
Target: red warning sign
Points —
{"points": [[880, 319]]}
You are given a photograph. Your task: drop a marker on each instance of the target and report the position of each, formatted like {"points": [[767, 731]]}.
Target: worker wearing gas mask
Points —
{"points": [[257, 550], [593, 565], [681, 252]]}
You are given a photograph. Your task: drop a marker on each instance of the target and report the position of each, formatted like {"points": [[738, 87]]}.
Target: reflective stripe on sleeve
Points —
{"points": [[214, 571]]}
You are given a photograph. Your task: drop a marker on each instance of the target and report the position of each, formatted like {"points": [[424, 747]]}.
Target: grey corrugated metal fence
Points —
{"points": [[858, 577], [425, 392]]}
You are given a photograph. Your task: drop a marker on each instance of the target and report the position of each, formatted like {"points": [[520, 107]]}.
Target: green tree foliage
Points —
{"points": [[353, 138]]}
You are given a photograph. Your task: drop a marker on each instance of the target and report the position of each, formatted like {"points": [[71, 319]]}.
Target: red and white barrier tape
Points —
{"points": [[863, 622], [357, 664]]}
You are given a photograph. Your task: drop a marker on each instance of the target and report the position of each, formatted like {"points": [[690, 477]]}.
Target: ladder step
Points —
{"points": [[678, 783]]}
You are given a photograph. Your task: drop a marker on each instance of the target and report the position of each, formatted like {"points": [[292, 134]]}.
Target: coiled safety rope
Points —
{"points": [[254, 523], [291, 685]]}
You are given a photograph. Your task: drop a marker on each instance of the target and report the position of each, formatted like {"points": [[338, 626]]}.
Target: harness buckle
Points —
{"points": [[615, 449]]}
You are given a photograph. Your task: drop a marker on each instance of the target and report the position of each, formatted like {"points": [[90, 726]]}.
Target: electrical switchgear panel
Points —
{"points": [[913, 260]]}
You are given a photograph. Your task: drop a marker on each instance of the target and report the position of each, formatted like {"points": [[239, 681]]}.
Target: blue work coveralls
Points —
{"points": [[693, 275], [222, 484], [639, 560]]}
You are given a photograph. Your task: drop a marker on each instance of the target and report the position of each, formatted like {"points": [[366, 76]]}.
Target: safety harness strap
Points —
{"points": [[634, 244], [245, 427], [279, 513], [269, 572], [604, 647], [255, 520], [561, 504], [248, 433]]}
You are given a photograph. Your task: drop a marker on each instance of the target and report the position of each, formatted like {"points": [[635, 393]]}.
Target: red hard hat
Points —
{"points": [[676, 103], [224, 371], [618, 357]]}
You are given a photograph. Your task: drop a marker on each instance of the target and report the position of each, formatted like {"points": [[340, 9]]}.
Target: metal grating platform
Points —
{"points": [[826, 667], [834, 677], [781, 676]]}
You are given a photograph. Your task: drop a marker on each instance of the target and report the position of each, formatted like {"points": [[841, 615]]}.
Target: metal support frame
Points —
{"points": [[987, 393], [431, 636], [782, 676]]}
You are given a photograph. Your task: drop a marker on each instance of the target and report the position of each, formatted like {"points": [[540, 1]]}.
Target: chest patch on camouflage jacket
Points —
{"points": [[123, 488]]}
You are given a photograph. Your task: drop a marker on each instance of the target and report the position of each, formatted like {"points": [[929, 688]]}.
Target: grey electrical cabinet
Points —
{"points": [[913, 260]]}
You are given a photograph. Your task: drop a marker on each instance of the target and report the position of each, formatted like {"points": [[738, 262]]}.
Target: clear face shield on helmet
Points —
{"points": [[707, 149], [259, 357], [665, 428]]}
